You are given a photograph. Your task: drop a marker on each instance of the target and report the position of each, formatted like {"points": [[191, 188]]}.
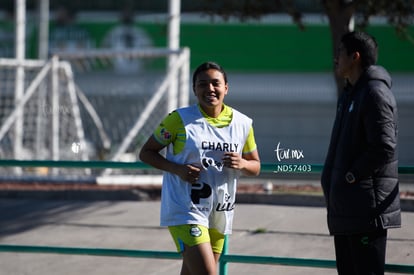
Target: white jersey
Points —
{"points": [[210, 202]]}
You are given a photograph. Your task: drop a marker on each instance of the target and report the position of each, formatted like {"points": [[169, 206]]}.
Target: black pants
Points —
{"points": [[361, 254]]}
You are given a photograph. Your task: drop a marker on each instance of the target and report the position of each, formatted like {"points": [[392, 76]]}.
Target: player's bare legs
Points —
{"points": [[199, 260]]}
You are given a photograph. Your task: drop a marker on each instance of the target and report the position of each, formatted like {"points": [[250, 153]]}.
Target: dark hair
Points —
{"points": [[207, 66], [363, 43]]}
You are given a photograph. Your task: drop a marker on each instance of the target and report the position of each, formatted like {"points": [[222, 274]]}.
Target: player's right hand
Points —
{"points": [[189, 173]]}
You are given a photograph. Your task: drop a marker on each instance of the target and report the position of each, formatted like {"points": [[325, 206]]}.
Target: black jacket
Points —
{"points": [[363, 142]]}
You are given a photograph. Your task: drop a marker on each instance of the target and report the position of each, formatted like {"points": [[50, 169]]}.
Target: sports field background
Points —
{"points": [[256, 47], [279, 75], [272, 44]]}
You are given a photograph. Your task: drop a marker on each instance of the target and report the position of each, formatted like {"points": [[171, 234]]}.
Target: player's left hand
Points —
{"points": [[233, 160]]}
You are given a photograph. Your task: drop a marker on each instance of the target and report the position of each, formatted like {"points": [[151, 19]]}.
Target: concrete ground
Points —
{"points": [[261, 230]]}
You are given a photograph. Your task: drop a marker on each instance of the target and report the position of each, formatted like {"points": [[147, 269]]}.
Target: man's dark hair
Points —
{"points": [[207, 66], [363, 43]]}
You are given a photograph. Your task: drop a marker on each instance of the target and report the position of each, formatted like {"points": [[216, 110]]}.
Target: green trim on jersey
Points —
{"points": [[171, 130]]}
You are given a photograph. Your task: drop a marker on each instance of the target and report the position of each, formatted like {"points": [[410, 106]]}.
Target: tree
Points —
{"points": [[343, 15]]}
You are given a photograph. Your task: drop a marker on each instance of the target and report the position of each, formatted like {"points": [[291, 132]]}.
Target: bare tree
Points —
{"points": [[343, 15]]}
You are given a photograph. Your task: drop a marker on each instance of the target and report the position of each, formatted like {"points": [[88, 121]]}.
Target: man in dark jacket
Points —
{"points": [[360, 176]]}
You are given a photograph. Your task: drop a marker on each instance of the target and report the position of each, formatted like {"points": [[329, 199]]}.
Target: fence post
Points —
{"points": [[223, 262]]}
